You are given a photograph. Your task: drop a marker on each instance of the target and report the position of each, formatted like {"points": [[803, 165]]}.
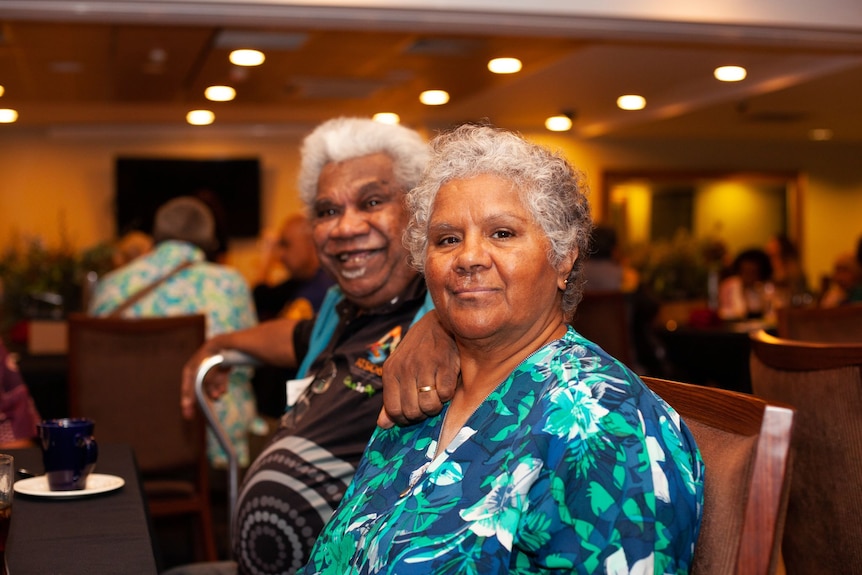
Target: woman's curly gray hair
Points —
{"points": [[343, 139], [550, 188]]}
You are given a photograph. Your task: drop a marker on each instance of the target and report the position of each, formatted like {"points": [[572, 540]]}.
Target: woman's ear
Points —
{"points": [[564, 268]]}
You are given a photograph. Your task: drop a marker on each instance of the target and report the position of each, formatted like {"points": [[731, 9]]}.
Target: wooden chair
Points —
{"points": [[603, 317], [125, 374], [841, 324], [745, 444], [823, 381]]}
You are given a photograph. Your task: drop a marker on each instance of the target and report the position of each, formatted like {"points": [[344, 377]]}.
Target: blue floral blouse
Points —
{"points": [[572, 465]]}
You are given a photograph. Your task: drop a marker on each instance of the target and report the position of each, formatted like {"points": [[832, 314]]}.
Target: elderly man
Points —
{"points": [[353, 178]]}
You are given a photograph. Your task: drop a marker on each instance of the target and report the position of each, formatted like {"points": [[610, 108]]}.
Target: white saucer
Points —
{"points": [[96, 483]]}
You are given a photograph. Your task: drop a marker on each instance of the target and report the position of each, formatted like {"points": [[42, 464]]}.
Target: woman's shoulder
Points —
{"points": [[581, 372], [576, 357]]}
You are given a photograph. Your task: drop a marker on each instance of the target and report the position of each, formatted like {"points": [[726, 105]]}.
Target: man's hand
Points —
{"points": [[270, 342], [420, 375], [215, 383]]}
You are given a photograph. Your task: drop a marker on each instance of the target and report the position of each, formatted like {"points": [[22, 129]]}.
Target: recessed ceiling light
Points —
{"points": [[8, 116], [434, 97], [386, 118], [730, 73], [631, 102], [200, 117], [220, 93], [247, 57], [559, 123], [158, 55], [820, 134], [504, 65]]}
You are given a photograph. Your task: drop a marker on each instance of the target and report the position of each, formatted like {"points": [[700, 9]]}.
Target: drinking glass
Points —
{"points": [[7, 478]]}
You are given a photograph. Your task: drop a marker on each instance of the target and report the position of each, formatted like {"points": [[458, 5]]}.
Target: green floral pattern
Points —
{"points": [[219, 292], [571, 465]]}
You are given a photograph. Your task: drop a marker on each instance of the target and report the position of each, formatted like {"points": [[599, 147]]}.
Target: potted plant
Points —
{"points": [[40, 282]]}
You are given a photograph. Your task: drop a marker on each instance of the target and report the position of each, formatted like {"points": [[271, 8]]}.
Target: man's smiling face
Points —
{"points": [[358, 219]]}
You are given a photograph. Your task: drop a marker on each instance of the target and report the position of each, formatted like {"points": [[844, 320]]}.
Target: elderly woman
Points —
{"points": [[552, 455]]}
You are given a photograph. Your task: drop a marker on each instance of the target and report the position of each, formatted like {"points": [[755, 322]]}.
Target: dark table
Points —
{"points": [[714, 355], [46, 377], [106, 533]]}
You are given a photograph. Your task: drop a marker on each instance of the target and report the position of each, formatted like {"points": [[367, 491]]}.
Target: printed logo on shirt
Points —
{"points": [[372, 363], [378, 352]]}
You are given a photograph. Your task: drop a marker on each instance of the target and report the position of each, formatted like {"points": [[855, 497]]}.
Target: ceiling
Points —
{"points": [[121, 75]]}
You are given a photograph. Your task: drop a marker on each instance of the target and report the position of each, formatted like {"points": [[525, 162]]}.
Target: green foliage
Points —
{"points": [[38, 281], [679, 268]]}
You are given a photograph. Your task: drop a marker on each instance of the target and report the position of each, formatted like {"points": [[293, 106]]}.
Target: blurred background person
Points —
{"points": [[845, 283], [18, 413], [217, 251], [605, 270], [129, 246], [297, 297], [788, 277], [604, 267], [747, 292], [184, 229]]}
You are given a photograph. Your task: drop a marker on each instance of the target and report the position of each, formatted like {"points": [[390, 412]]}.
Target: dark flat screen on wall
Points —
{"points": [[230, 186]]}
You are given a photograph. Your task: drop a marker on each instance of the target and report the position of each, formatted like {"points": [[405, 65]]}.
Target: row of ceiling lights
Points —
{"points": [[247, 57], [634, 102], [558, 123]]}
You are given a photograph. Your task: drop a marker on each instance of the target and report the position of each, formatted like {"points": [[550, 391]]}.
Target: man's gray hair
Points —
{"points": [[343, 139], [185, 219], [552, 191]]}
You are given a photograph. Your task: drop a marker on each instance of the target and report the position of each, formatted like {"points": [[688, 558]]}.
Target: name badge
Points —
{"points": [[295, 387]]}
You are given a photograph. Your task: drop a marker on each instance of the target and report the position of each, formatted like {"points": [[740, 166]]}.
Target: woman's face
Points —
{"points": [[487, 263]]}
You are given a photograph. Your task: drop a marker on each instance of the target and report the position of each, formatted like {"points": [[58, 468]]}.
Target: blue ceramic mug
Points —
{"points": [[69, 452]]}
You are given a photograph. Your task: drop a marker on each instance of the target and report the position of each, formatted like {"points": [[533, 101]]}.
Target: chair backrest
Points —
{"points": [[125, 374], [841, 324], [745, 445], [604, 317], [823, 381]]}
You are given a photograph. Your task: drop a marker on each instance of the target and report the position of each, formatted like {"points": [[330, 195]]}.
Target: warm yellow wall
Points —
{"points": [[635, 202], [51, 181], [832, 210], [741, 215], [55, 186]]}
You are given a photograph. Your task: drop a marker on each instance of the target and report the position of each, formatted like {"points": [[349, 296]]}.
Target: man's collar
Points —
{"points": [[415, 290]]}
